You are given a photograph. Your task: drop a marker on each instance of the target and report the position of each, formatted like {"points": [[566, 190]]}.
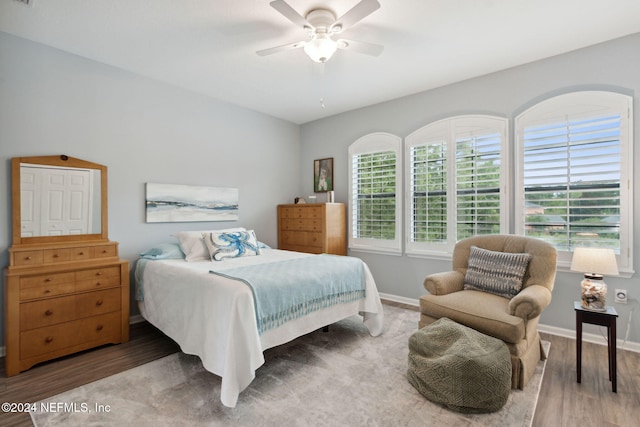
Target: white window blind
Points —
{"points": [[374, 194], [478, 161], [374, 185], [575, 173], [429, 192], [454, 182]]}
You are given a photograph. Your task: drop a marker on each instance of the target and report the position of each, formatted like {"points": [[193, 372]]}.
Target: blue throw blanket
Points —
{"points": [[290, 289]]}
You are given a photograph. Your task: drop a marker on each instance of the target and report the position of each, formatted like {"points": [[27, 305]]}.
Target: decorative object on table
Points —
{"points": [[323, 175], [594, 263], [331, 197], [299, 200], [190, 203]]}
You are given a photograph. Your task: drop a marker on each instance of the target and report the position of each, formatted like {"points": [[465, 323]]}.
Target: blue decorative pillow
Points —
{"points": [[163, 251], [499, 273], [231, 244]]}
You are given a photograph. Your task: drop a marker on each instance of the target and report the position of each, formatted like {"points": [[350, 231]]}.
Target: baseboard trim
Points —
{"points": [[547, 329], [399, 299], [136, 319]]}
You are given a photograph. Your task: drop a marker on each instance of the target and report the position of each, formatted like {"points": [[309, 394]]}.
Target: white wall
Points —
{"points": [[610, 66], [52, 103]]}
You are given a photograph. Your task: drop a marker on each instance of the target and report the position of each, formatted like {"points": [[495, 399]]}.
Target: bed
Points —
{"points": [[212, 313]]}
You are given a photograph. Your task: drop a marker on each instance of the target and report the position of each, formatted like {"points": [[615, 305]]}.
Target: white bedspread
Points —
{"points": [[214, 318]]}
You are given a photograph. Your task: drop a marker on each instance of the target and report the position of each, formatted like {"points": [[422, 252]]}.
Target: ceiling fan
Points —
{"points": [[321, 25]]}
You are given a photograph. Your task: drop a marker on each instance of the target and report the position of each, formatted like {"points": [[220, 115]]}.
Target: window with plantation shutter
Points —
{"points": [[374, 193], [454, 187], [574, 172]]}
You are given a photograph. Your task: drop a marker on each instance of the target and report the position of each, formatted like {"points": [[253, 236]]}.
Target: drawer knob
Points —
{"points": [[97, 283], [99, 328], [47, 291], [80, 253], [48, 339], [99, 302], [99, 273], [104, 251], [28, 258], [48, 313], [48, 279], [56, 256]]}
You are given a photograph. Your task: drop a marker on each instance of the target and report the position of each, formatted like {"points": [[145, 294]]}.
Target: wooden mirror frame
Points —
{"points": [[63, 161]]}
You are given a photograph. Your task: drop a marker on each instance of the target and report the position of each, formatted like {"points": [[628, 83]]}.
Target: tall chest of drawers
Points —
{"points": [[313, 228], [63, 298]]}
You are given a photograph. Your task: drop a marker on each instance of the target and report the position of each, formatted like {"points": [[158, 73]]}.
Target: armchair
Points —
{"points": [[515, 320]]}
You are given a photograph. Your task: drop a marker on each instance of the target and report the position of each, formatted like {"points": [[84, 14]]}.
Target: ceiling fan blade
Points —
{"points": [[277, 49], [361, 47], [290, 13], [356, 13]]}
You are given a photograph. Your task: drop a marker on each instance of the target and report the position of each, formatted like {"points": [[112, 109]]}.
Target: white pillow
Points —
{"points": [[192, 243], [234, 244]]}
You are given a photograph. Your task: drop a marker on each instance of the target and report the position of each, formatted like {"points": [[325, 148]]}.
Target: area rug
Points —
{"points": [[343, 377]]}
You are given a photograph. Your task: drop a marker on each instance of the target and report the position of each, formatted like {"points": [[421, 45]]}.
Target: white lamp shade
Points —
{"points": [[321, 48], [594, 260]]}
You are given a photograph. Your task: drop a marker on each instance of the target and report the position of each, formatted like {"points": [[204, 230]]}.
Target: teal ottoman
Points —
{"points": [[459, 367]]}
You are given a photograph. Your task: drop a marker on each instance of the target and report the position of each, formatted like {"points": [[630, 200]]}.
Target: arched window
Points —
{"points": [[455, 182], [574, 173]]}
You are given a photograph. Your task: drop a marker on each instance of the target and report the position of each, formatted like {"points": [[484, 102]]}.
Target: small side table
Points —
{"points": [[603, 318]]}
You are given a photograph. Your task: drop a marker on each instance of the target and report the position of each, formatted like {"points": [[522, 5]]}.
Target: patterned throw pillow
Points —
{"points": [[192, 243], [499, 273], [231, 244]]}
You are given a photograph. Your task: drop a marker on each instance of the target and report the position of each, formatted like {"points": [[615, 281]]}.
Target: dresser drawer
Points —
{"points": [[97, 278], [105, 251], [301, 211], [100, 302], [81, 253], [46, 285], [300, 238], [47, 312], [306, 224], [56, 255], [51, 311], [95, 330], [24, 258]]}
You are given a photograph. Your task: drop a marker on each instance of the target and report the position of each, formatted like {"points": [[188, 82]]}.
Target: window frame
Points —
{"points": [[450, 129], [369, 144], [572, 106]]}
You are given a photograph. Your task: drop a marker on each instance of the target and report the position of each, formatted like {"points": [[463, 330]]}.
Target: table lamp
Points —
{"points": [[594, 262]]}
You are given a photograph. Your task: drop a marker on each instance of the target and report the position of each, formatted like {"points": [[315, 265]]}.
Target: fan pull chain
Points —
{"points": [[322, 65]]}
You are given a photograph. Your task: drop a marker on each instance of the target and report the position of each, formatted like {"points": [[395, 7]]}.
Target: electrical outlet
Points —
{"points": [[621, 296]]}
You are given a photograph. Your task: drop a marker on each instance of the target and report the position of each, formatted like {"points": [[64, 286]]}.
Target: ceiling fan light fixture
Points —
{"points": [[320, 48]]}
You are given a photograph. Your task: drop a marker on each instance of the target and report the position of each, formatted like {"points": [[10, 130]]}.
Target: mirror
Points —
{"points": [[58, 199]]}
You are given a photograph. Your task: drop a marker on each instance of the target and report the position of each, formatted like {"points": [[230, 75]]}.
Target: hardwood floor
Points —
{"points": [[48, 379], [562, 401]]}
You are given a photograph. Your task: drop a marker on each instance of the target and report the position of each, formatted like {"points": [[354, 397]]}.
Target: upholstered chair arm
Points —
{"points": [[530, 302], [444, 283]]}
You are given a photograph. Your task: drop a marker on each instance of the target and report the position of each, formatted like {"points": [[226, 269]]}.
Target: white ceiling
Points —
{"points": [[208, 46]]}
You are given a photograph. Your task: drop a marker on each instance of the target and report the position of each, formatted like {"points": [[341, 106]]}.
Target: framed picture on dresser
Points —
{"points": [[323, 175]]}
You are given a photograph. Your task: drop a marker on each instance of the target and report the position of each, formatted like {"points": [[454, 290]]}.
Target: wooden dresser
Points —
{"points": [[313, 228], [63, 293]]}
